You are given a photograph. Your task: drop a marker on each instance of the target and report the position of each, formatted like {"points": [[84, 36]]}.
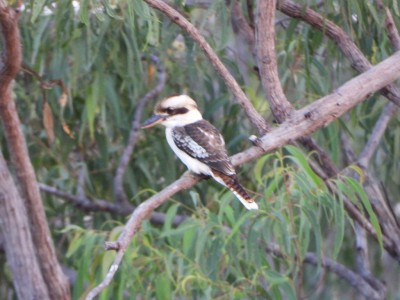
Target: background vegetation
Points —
{"points": [[203, 244]]}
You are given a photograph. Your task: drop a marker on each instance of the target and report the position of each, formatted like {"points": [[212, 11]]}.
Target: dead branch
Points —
{"points": [[133, 135], [11, 62], [321, 112], [255, 118]]}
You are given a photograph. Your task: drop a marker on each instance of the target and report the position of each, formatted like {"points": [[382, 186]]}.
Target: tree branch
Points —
{"points": [[321, 113], [355, 280], [390, 109], [377, 133], [393, 33], [268, 69], [11, 62], [266, 60], [100, 205], [255, 118], [133, 224], [357, 59], [130, 147]]}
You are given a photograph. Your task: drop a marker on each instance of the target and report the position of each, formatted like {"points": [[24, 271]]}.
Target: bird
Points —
{"points": [[197, 143]]}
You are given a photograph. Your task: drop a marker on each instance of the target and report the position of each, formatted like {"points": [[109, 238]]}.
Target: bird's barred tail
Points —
{"points": [[233, 184]]}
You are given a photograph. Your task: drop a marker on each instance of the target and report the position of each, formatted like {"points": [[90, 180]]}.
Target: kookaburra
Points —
{"points": [[197, 143]]}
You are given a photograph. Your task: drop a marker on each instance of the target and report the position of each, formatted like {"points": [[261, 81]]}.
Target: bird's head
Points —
{"points": [[174, 111]]}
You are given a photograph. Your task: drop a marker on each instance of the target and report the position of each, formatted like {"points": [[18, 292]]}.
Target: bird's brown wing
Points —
{"points": [[202, 141]]}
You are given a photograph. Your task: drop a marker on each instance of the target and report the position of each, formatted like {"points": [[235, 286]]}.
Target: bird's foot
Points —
{"points": [[257, 142]]}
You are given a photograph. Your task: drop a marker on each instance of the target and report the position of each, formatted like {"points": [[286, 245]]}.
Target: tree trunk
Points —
{"points": [[18, 245], [50, 270]]}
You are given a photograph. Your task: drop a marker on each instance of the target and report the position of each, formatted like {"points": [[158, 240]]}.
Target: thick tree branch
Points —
{"points": [[268, 69], [266, 60], [11, 62], [133, 135], [255, 118], [357, 59], [300, 123]]}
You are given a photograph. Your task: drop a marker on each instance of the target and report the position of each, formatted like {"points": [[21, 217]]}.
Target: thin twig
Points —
{"points": [[361, 243], [135, 126], [44, 85], [377, 133], [101, 205], [255, 118]]}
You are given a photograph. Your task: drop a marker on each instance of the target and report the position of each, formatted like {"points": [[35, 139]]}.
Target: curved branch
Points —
{"points": [[355, 280], [133, 135], [357, 59], [266, 60], [255, 118], [300, 123]]}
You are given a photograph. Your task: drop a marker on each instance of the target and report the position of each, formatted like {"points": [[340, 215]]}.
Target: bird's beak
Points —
{"points": [[154, 120]]}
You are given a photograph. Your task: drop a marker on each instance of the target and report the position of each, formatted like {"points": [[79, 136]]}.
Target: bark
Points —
{"points": [[55, 280], [266, 60], [18, 244]]}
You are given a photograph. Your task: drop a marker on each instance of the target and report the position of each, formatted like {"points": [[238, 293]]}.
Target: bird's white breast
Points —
{"points": [[192, 164]]}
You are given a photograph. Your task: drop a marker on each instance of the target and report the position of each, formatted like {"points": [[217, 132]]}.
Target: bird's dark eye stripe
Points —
{"points": [[180, 111], [177, 111]]}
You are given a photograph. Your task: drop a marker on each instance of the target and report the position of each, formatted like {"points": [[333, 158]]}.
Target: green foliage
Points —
{"points": [[223, 253], [100, 53]]}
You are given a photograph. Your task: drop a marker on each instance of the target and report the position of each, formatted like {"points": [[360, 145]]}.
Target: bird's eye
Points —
{"points": [[169, 110]]}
